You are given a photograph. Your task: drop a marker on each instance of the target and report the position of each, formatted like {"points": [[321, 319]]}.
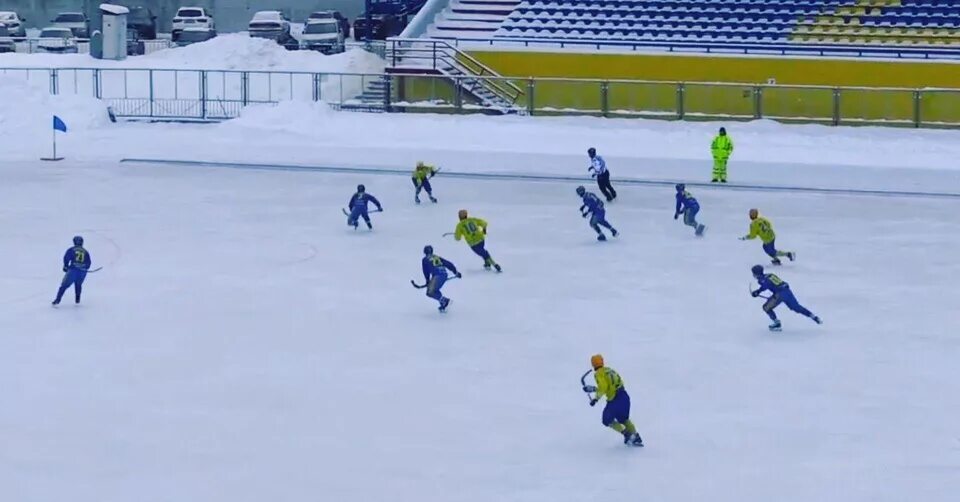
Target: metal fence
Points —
{"points": [[169, 94]]}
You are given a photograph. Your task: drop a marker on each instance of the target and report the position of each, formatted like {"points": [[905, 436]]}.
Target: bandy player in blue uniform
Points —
{"points": [[435, 272], [596, 212], [358, 207], [76, 262], [689, 207], [781, 294]]}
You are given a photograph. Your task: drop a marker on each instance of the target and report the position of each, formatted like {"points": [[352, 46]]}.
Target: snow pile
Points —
{"points": [[29, 107], [235, 51], [286, 116], [238, 51]]}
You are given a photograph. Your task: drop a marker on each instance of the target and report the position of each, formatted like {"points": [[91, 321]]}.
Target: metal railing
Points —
{"points": [[410, 55], [169, 94], [32, 45], [780, 49]]}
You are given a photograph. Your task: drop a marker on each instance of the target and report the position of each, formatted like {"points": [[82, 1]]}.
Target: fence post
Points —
{"points": [[836, 106], [458, 94], [758, 102], [531, 88], [203, 94], [150, 76], [245, 88], [605, 98], [54, 81], [917, 97], [681, 90], [387, 91], [97, 92]]}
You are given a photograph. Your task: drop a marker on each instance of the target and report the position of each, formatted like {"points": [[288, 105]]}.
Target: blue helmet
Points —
{"points": [[757, 270], [428, 250], [77, 240], [681, 187], [581, 190], [361, 188], [592, 152]]}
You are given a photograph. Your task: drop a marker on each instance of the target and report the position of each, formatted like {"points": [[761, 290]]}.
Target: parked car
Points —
{"points": [[195, 18], [143, 20], [382, 26], [331, 14], [189, 36], [271, 24], [14, 23], [6, 43], [57, 40], [135, 46], [324, 35], [75, 21]]}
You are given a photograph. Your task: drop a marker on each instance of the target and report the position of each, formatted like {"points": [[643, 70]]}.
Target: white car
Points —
{"points": [[270, 24], [193, 18], [57, 40], [74, 21], [14, 23], [324, 35]]}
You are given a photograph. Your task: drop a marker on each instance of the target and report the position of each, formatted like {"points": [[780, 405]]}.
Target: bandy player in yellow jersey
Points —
{"points": [[474, 230], [762, 228]]}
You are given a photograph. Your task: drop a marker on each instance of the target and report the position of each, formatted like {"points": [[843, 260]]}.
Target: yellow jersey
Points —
{"points": [[762, 228], [422, 172], [474, 230], [608, 382]]}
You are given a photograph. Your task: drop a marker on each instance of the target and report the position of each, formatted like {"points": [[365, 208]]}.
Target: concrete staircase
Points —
{"points": [[470, 19]]}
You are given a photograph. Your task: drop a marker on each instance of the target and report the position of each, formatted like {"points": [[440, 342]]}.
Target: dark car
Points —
{"points": [[143, 20], [188, 37], [381, 27], [6, 43], [135, 46]]}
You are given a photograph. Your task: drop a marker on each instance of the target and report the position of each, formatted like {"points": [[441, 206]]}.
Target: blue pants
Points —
{"points": [[598, 219], [786, 297], [435, 285], [74, 277], [359, 211], [617, 410], [423, 186], [770, 248], [481, 251], [690, 216]]}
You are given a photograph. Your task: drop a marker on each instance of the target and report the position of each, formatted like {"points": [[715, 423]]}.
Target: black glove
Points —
{"points": [[755, 293], [459, 275], [593, 402], [584, 214], [64, 269], [676, 216]]}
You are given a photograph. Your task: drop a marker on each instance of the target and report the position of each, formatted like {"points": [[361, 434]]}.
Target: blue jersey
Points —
{"points": [[770, 282], [598, 165], [362, 199], [592, 203], [76, 258], [686, 201], [435, 266]]}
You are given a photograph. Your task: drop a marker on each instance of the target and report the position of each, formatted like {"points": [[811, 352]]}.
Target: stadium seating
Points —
{"points": [[856, 22]]}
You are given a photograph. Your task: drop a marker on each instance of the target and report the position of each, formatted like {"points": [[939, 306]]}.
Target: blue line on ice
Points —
{"points": [[543, 177]]}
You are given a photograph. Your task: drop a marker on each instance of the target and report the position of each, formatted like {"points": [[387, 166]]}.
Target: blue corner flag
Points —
{"points": [[58, 124]]}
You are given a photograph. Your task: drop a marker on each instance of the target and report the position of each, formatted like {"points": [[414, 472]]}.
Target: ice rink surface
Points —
{"points": [[243, 344]]}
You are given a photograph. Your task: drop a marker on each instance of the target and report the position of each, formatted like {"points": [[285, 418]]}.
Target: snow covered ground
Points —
{"points": [[242, 344]]}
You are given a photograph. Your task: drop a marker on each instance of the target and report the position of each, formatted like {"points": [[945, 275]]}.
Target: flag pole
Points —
{"points": [[54, 146]]}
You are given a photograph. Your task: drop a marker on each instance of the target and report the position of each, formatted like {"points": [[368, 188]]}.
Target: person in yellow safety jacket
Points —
{"points": [[474, 230], [762, 228], [421, 180], [616, 413], [721, 148]]}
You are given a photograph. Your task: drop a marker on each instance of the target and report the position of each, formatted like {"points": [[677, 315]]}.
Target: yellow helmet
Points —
{"points": [[462, 214], [596, 361], [420, 163]]}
